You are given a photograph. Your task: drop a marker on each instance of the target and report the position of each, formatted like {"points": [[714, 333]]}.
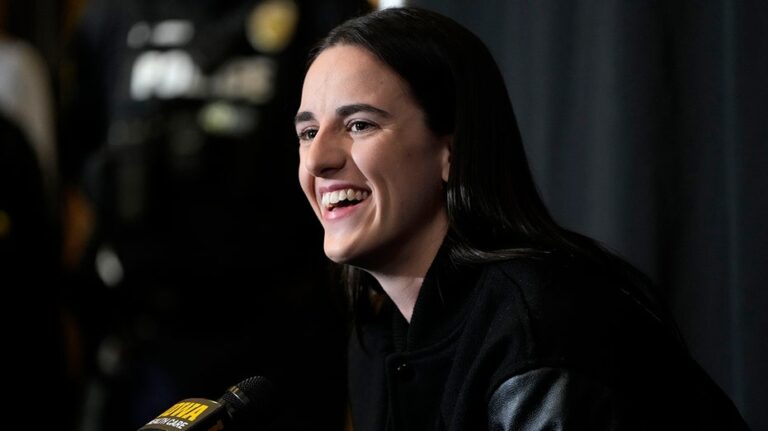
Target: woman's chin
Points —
{"points": [[337, 256], [345, 257]]}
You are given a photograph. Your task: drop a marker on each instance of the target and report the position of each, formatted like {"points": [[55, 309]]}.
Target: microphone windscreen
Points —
{"points": [[251, 402]]}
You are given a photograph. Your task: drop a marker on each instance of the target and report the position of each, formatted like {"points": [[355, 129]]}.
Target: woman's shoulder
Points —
{"points": [[566, 281], [569, 311], [545, 279]]}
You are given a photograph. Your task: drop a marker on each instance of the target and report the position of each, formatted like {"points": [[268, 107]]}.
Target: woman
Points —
{"points": [[473, 308]]}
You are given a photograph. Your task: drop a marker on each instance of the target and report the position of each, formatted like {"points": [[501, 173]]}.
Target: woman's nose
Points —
{"points": [[325, 154]]}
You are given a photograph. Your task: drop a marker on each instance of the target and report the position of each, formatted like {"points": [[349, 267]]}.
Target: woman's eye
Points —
{"points": [[359, 126], [307, 135]]}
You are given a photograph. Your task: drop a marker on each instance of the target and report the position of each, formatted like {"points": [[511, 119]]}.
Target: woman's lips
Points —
{"points": [[339, 212]]}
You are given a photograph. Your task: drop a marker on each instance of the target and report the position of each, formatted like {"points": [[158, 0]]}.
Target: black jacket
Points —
{"points": [[529, 344]]}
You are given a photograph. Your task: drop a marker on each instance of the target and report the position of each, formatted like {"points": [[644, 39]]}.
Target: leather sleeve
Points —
{"points": [[551, 399]]}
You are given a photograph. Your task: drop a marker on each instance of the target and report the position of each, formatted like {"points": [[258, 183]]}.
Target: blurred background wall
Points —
{"points": [[156, 227], [645, 123]]}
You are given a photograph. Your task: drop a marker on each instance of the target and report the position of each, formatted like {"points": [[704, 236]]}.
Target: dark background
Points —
{"points": [[186, 257], [646, 123]]}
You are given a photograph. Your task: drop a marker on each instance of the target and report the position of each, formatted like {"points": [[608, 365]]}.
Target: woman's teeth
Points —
{"points": [[336, 198]]}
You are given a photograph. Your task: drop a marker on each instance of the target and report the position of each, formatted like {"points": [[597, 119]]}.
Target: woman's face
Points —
{"points": [[371, 169]]}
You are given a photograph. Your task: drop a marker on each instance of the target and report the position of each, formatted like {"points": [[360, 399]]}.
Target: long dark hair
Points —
{"points": [[494, 209]]}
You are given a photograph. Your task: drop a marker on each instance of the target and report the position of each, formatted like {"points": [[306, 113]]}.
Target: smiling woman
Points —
{"points": [[473, 308], [372, 170]]}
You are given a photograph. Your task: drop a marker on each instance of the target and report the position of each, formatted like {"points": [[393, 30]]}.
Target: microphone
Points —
{"points": [[246, 405]]}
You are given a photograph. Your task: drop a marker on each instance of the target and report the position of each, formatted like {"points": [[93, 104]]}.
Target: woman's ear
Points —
{"points": [[445, 160]]}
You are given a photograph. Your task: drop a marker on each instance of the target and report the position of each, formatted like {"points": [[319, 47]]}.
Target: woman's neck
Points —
{"points": [[402, 281], [402, 290], [401, 273]]}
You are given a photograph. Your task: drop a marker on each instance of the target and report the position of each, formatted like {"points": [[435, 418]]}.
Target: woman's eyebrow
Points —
{"points": [[303, 116], [346, 110], [342, 111]]}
